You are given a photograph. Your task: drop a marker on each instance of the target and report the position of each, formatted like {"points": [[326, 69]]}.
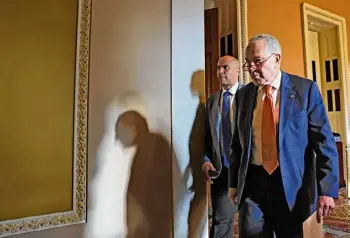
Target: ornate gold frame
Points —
{"points": [[78, 214], [242, 30]]}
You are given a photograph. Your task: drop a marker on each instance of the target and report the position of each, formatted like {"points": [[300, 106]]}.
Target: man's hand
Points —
{"points": [[205, 169], [324, 207], [232, 195]]}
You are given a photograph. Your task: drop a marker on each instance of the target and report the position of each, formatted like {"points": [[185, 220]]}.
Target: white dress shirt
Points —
{"points": [[257, 117]]}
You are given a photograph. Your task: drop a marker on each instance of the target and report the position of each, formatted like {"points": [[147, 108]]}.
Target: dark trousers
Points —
{"points": [[264, 211], [222, 209]]}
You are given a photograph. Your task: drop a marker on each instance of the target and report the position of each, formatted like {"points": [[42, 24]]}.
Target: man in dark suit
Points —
{"points": [[218, 134], [284, 163]]}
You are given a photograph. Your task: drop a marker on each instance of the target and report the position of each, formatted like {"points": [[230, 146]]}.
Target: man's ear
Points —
{"points": [[278, 58]]}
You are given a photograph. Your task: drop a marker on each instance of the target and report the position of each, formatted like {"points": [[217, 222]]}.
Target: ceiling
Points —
{"points": [[319, 25]]}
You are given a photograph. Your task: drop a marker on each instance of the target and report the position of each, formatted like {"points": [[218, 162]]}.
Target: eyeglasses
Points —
{"points": [[258, 64]]}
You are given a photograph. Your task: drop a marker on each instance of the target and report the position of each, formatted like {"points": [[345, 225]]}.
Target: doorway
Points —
{"points": [[226, 33], [325, 57], [211, 36]]}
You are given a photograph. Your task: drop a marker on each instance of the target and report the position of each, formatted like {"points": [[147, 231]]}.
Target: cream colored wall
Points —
{"points": [[187, 63], [138, 46]]}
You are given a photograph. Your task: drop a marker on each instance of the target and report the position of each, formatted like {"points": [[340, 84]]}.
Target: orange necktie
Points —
{"points": [[269, 133]]}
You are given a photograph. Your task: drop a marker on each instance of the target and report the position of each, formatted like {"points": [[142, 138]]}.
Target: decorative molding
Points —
{"points": [[78, 214], [242, 30], [315, 12]]}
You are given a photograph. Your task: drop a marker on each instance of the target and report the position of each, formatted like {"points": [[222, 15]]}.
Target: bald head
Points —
{"points": [[228, 71], [228, 59]]}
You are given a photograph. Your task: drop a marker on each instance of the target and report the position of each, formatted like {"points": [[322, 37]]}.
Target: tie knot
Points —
{"points": [[268, 90], [226, 94]]}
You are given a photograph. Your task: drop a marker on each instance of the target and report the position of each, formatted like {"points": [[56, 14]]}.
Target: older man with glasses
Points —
{"points": [[284, 161]]}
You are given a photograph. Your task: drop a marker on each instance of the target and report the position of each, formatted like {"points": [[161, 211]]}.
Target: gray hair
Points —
{"points": [[273, 46]]}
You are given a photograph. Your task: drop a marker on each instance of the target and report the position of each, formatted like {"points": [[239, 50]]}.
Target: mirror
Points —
{"points": [[43, 96]]}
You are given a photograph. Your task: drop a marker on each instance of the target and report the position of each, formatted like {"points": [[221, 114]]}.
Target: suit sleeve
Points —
{"points": [[208, 141], [327, 171], [236, 150]]}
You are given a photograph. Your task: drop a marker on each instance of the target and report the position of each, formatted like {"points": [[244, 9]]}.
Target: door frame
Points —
{"points": [[242, 34], [309, 10]]}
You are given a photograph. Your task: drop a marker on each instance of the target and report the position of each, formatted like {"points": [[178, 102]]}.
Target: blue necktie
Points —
{"points": [[226, 127]]}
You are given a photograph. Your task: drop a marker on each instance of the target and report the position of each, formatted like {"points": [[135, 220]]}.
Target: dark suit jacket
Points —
{"points": [[307, 151], [213, 132]]}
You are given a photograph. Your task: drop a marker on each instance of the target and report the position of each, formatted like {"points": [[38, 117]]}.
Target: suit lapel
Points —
{"points": [[287, 99], [250, 106], [215, 119], [233, 109]]}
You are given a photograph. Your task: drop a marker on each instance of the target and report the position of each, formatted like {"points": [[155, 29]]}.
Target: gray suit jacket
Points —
{"points": [[213, 133]]}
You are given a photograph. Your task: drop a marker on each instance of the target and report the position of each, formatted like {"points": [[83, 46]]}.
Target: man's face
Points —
{"points": [[126, 134], [227, 72], [262, 68]]}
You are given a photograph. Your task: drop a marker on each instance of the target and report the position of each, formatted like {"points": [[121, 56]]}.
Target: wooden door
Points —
{"points": [[314, 69], [211, 31], [332, 81], [228, 35], [332, 85]]}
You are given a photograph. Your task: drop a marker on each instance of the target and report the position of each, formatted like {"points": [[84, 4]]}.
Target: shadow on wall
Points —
{"points": [[197, 219], [131, 190], [148, 203], [133, 56]]}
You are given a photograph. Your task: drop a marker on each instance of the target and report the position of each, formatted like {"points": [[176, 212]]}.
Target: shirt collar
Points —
{"points": [[276, 83], [232, 90]]}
